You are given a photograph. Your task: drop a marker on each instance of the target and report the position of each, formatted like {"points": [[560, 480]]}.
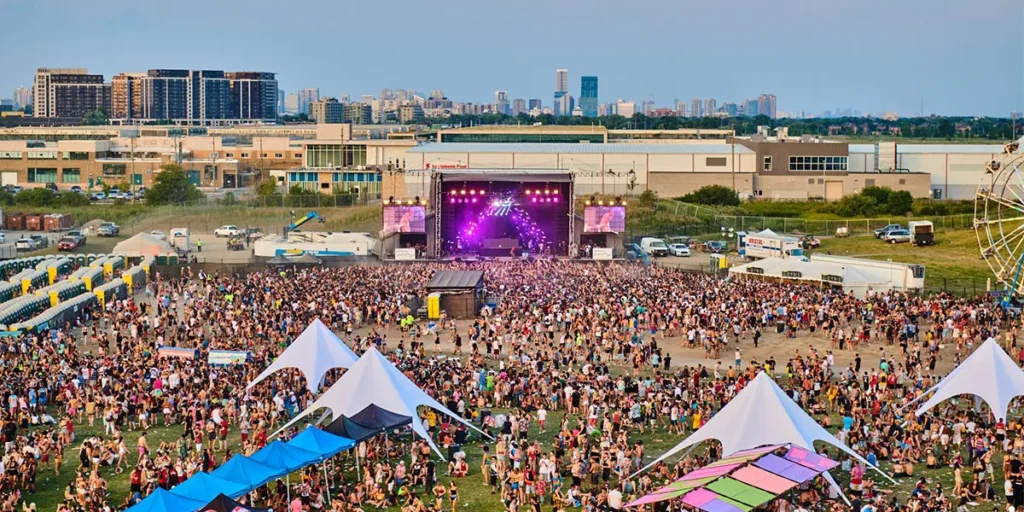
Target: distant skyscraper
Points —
{"points": [[291, 103], [648, 106], [588, 95], [680, 108], [307, 97], [501, 102], [534, 103], [602, 110], [22, 98], [710, 107], [69, 92], [518, 106], [625, 108], [750, 108], [696, 108], [280, 101], [730, 108], [327, 111], [561, 80], [564, 103], [766, 105]]}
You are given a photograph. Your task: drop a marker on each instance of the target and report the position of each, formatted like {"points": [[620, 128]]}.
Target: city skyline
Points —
{"points": [[907, 58]]}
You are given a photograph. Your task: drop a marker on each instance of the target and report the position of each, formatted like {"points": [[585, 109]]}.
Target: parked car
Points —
{"points": [[253, 233], [51, 186], [3, 238], [14, 189], [842, 232], [897, 236], [108, 229], [67, 244], [26, 244], [159, 234], [98, 196], [716, 246], [41, 241], [77, 234], [227, 230], [76, 189], [881, 232], [679, 250]]}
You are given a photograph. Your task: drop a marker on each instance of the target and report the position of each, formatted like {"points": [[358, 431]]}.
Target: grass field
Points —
{"points": [[955, 254]]}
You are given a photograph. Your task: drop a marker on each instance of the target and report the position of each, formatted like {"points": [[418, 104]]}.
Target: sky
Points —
{"points": [[958, 57]]}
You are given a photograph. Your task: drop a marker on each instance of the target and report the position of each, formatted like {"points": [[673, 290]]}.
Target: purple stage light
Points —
{"points": [[474, 199]]}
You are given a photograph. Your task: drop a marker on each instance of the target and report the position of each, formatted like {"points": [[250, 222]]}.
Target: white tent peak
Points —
{"points": [[373, 380], [988, 373], [760, 414], [143, 244], [314, 353]]}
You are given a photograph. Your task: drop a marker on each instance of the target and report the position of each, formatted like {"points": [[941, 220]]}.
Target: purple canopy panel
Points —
{"points": [[655, 497], [698, 497], [809, 459], [720, 505], [710, 471], [786, 468], [754, 451]]}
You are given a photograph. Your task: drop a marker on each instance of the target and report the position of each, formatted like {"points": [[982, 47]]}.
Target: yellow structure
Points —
{"points": [[434, 306]]}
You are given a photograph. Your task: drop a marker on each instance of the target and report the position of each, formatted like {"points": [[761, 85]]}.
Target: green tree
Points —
{"points": [[266, 187], [73, 199], [172, 187], [716, 195], [96, 117], [900, 203], [37, 197], [879, 194]]}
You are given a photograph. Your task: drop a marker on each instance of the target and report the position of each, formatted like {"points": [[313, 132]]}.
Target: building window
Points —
{"points": [[818, 163], [245, 155], [36, 175], [768, 163], [264, 155], [715, 161], [115, 169], [10, 155], [903, 181], [278, 155], [810, 181], [298, 155], [42, 155], [72, 175], [75, 155], [229, 155], [870, 182]]}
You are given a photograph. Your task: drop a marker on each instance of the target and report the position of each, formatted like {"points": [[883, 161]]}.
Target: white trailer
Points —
{"points": [[768, 244], [900, 276]]}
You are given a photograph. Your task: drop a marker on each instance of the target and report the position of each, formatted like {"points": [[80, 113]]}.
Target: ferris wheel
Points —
{"points": [[999, 218]]}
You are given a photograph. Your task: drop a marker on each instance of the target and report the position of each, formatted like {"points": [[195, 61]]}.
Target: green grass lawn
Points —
{"points": [[955, 254]]}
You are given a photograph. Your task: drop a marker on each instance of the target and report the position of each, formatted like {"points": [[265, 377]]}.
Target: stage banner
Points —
{"points": [[602, 253], [184, 353], [227, 357], [405, 254]]}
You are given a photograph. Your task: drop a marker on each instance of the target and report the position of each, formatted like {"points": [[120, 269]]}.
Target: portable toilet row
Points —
{"points": [[35, 279], [168, 259], [62, 291], [22, 308], [11, 267], [147, 263], [55, 314], [58, 267], [92, 278], [8, 292], [112, 290], [134, 277]]}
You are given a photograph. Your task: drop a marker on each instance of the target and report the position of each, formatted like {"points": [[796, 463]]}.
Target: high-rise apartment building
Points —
{"points": [[710, 107], [358, 113], [602, 110], [69, 92], [647, 106], [696, 108], [253, 95], [22, 98], [518, 106], [501, 104], [306, 98], [564, 103], [410, 113], [561, 80], [280, 101], [766, 105], [680, 108], [625, 108], [750, 108], [534, 103], [588, 96], [291, 103], [194, 96], [327, 111]]}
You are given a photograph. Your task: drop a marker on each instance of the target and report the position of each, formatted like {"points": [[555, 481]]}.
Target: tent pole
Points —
{"points": [[327, 483], [288, 488]]}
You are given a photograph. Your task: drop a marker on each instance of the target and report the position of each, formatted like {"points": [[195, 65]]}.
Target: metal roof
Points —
{"points": [[932, 149], [449, 279], [578, 148]]}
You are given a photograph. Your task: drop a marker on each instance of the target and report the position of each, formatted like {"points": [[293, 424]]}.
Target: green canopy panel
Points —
{"points": [[739, 491]]}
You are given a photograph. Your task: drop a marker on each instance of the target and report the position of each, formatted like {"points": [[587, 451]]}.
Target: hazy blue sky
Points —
{"points": [[961, 57]]}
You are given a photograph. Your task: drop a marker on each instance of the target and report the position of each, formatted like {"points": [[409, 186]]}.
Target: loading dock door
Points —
{"points": [[9, 178], [833, 190]]}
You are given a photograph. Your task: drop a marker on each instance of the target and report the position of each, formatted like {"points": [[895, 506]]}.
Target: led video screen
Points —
{"points": [[604, 219], [405, 219]]}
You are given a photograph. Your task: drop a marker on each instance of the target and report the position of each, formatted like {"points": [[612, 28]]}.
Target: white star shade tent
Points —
{"points": [[988, 373], [373, 380], [762, 414], [314, 353]]}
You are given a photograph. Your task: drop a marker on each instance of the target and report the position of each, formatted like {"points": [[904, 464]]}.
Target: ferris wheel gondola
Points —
{"points": [[999, 219]]}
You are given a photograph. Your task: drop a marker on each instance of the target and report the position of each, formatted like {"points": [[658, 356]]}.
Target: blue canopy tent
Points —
{"points": [[324, 443], [249, 472], [166, 501], [280, 454], [205, 487]]}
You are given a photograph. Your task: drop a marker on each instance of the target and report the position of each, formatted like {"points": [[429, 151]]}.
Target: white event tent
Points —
{"points": [[762, 414], [314, 353], [989, 374], [373, 380]]}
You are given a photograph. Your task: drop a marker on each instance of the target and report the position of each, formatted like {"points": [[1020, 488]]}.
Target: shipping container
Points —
{"points": [[34, 222], [56, 222]]}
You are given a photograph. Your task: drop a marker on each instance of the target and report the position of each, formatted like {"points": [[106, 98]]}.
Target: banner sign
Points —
{"points": [[602, 253], [227, 357], [405, 254], [183, 353]]}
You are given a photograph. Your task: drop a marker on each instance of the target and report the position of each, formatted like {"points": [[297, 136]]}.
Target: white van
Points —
{"points": [[654, 246]]}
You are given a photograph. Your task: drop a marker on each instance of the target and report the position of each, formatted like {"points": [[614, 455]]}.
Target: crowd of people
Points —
{"points": [[574, 372]]}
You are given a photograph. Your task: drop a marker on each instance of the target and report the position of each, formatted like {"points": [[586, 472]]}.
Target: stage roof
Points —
{"points": [[578, 148], [517, 175], [456, 279]]}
